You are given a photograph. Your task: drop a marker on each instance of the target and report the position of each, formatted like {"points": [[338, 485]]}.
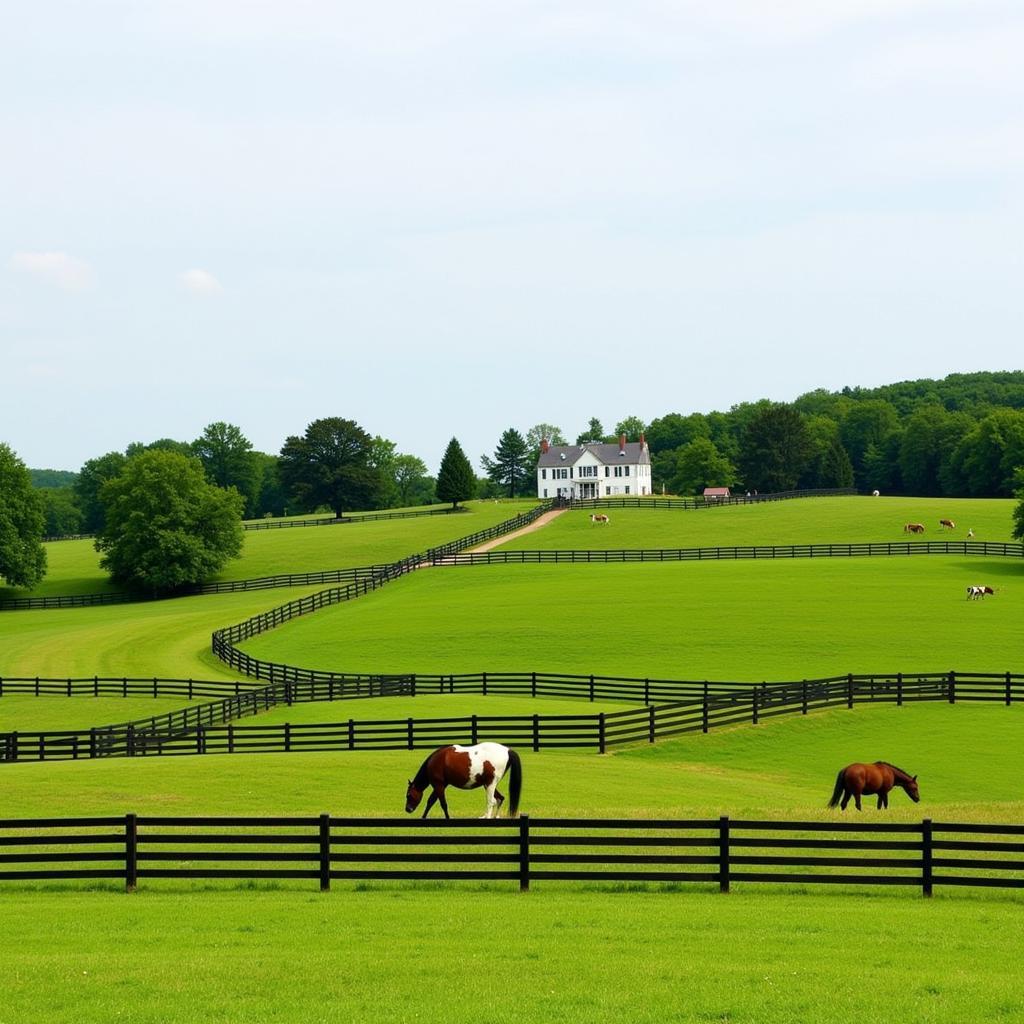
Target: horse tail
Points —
{"points": [[515, 782], [838, 791]]}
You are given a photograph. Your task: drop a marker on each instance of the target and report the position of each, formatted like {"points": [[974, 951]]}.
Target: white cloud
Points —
{"points": [[55, 267], [200, 282]]}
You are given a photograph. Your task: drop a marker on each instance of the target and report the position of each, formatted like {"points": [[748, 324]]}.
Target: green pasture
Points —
{"points": [[25, 713], [966, 756], [799, 521], [726, 620], [422, 955], [73, 565], [169, 639]]}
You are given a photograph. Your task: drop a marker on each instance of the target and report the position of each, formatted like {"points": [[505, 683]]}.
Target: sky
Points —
{"points": [[447, 219]]}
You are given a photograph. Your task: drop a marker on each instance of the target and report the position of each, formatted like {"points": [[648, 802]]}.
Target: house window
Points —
{"points": [[627, 488], [606, 471], [545, 492], [626, 468], [607, 490], [543, 474]]}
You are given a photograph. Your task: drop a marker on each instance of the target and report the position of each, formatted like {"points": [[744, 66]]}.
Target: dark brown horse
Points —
{"points": [[467, 768], [856, 779]]}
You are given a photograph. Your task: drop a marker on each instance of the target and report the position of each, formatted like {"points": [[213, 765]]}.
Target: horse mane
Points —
{"points": [[420, 779], [889, 764]]}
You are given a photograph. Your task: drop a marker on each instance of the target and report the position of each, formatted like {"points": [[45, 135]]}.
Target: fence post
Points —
{"points": [[899, 689], [131, 852], [351, 734], [524, 853], [325, 852], [849, 689], [803, 698], [753, 705], [650, 725], [409, 730], [231, 738], [926, 857], [533, 685], [704, 714], [131, 740], [536, 732], [483, 676], [92, 742], [473, 727], [1007, 698], [287, 737], [952, 687], [600, 733], [723, 853]]}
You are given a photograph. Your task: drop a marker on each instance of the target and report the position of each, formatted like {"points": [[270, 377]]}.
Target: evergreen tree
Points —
{"points": [[456, 480], [776, 449], [511, 458]]}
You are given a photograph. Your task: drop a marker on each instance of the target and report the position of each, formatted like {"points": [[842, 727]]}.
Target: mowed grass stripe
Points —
{"points": [[73, 566], [25, 713], [966, 757], [843, 520], [743, 621]]}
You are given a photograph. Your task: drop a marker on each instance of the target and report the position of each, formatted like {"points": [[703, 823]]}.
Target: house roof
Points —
{"points": [[637, 454], [716, 492]]}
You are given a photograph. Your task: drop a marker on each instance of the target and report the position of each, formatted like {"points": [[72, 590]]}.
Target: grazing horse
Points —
{"points": [[978, 593], [599, 517], [947, 524], [467, 768], [914, 528], [880, 777]]}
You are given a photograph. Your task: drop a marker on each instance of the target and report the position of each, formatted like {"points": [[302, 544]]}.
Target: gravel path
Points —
{"points": [[541, 521]]}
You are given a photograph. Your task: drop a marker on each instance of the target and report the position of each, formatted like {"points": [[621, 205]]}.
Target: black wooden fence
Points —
{"points": [[696, 707], [715, 851], [121, 686], [349, 517], [653, 501]]}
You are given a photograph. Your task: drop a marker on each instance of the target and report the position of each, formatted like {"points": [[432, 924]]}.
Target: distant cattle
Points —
{"points": [[978, 593], [600, 518], [914, 528], [947, 524], [874, 494]]}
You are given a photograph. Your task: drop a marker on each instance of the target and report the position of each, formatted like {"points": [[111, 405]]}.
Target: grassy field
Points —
{"points": [[803, 521], [36, 714], [966, 756], [235, 952], [158, 958], [157, 638], [746, 621], [73, 565]]}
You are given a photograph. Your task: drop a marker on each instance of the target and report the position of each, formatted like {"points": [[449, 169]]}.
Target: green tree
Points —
{"points": [[594, 432], [985, 461], [775, 450], [62, 514], [929, 440], [866, 423], [22, 555], [408, 473], [272, 495], [226, 455], [542, 432], [836, 469], [631, 426], [161, 444], [700, 464], [1018, 512], [455, 480], [165, 526], [510, 466], [330, 465], [91, 478], [675, 430]]}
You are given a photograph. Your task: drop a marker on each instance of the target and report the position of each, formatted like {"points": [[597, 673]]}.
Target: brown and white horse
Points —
{"points": [[978, 593], [947, 524], [599, 517], [857, 778], [914, 528], [467, 768]]}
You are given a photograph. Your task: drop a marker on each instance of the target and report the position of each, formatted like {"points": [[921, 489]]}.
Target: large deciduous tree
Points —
{"points": [[22, 555], [594, 432], [227, 456], [697, 465], [510, 465], [456, 480], [165, 526], [331, 464], [775, 449], [91, 478], [1018, 512]]}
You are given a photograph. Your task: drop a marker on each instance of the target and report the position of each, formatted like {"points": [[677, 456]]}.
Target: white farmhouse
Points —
{"points": [[594, 470]]}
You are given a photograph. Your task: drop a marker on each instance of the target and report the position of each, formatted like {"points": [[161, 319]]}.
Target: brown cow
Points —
{"points": [[914, 528], [947, 524]]}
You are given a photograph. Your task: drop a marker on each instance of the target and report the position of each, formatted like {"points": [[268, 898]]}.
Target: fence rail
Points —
{"points": [[350, 517], [701, 502], [670, 709], [715, 851]]}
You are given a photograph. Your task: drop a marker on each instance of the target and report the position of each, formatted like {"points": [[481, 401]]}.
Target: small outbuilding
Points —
{"points": [[716, 493]]}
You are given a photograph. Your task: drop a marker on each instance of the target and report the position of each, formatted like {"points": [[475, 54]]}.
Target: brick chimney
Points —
{"points": [[643, 440], [543, 446], [622, 444]]}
